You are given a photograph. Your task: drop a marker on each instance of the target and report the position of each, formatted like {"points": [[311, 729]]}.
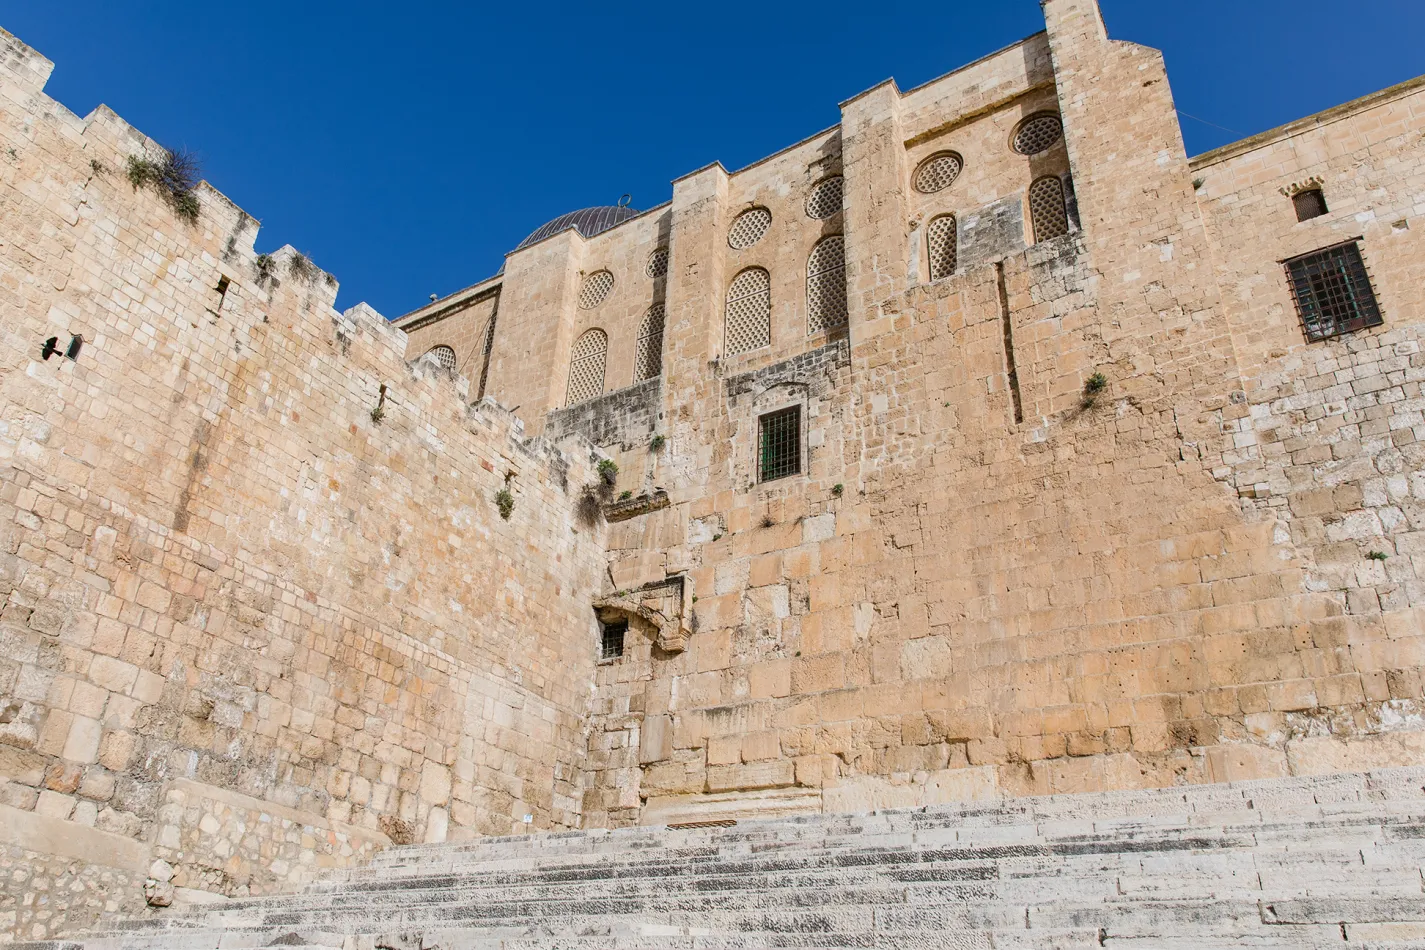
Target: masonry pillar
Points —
{"points": [[873, 162], [530, 355], [693, 331], [1157, 296]]}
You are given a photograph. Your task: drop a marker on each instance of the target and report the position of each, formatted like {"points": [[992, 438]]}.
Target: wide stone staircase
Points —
{"points": [[1300, 863]]}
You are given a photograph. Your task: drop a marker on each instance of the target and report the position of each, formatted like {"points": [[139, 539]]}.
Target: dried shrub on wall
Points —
{"points": [[174, 176]]}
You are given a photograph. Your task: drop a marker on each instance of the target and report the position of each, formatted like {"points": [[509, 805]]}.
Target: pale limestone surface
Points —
{"points": [[254, 629]]}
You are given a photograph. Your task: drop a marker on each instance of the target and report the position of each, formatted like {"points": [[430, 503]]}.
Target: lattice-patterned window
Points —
{"points": [[1038, 133], [586, 366], [649, 358], [779, 444], [612, 635], [749, 311], [1309, 204], [595, 289], [657, 263], [826, 285], [938, 172], [1047, 209], [443, 356], [1333, 292], [749, 227], [825, 199], [942, 245]]}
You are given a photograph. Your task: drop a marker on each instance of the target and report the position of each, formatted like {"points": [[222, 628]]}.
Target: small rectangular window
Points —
{"points": [[779, 444], [1309, 204], [1333, 292], [612, 637]]}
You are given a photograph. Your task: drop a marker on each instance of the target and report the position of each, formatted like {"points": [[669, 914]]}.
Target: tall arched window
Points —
{"points": [[826, 285], [749, 311], [942, 245], [1047, 209], [586, 366], [444, 357], [648, 361]]}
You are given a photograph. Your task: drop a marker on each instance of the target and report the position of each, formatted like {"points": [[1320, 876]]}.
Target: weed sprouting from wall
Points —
{"points": [[505, 502], [1094, 385], [266, 266], [838, 489], [300, 267], [656, 443], [608, 473], [174, 176], [589, 509], [1378, 556]]}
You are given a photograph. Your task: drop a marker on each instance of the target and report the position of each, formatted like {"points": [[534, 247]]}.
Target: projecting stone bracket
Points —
{"points": [[667, 605], [627, 508]]}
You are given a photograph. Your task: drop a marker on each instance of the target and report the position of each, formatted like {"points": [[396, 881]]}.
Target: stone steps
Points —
{"points": [[1296, 863]]}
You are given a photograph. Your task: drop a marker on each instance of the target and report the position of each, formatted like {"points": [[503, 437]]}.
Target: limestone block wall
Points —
{"points": [[255, 585], [983, 583]]}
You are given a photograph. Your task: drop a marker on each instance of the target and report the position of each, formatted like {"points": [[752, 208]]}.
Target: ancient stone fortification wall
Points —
{"points": [[251, 626], [1013, 593]]}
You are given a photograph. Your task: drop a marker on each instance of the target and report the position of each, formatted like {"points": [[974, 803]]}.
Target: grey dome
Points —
{"points": [[588, 222]]}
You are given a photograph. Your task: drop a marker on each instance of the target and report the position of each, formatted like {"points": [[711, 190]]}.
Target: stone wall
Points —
{"points": [[256, 589]]}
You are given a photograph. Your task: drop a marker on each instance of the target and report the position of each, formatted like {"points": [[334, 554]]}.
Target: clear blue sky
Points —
{"points": [[407, 146]]}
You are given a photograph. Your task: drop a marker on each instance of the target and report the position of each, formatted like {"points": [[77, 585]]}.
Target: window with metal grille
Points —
{"points": [[1333, 292], [1038, 133], [779, 444], [1309, 204], [749, 312], [826, 285], [1047, 209], [648, 361], [595, 289], [611, 637], [586, 366], [942, 245], [938, 172], [825, 198], [657, 263], [749, 228], [444, 357]]}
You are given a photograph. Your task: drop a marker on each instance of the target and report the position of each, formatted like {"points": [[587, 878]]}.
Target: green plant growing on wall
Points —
{"points": [[1094, 385], [505, 502], [656, 443], [588, 510], [265, 265], [1378, 556], [174, 176], [625, 495], [300, 267], [838, 489], [377, 414]]}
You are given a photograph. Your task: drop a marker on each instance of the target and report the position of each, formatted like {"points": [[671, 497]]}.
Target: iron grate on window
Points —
{"points": [[1333, 292], [612, 636], [749, 312], [1309, 204], [779, 444]]}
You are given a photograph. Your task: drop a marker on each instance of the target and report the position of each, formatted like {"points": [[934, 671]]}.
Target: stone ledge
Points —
{"points": [[66, 839], [633, 507]]}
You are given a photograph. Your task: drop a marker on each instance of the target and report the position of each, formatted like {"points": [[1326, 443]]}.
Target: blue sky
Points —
{"points": [[406, 147]]}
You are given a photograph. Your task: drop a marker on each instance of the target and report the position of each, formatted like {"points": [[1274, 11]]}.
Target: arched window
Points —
{"points": [[648, 361], [749, 311], [942, 245], [586, 366], [826, 285], [444, 357], [826, 198], [1047, 209]]}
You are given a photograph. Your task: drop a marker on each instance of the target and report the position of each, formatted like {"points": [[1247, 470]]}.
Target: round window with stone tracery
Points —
{"points": [[938, 172], [1038, 133], [749, 228], [595, 289], [825, 199]]}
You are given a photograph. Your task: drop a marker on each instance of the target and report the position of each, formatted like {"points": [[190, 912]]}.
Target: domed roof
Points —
{"points": [[588, 222]]}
